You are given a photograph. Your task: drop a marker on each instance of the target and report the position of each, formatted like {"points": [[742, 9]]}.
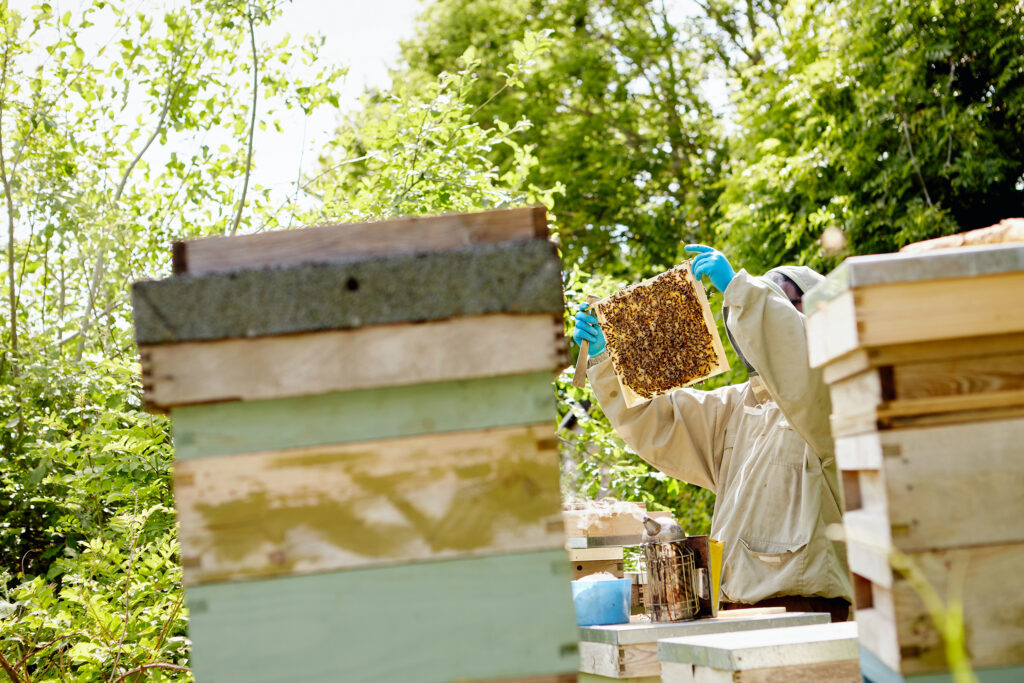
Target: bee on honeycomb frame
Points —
{"points": [[661, 335]]}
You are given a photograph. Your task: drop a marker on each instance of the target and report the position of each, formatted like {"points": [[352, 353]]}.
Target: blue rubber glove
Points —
{"points": [[712, 263], [588, 328]]}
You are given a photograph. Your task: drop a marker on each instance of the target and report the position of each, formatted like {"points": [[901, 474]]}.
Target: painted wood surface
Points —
{"points": [[897, 628], [822, 672], [624, 520], [342, 417], [581, 568], [520, 277], [767, 648], [914, 312], [906, 268], [631, 650], [950, 391], [346, 241], [928, 493], [349, 360], [369, 503], [993, 347], [501, 616]]}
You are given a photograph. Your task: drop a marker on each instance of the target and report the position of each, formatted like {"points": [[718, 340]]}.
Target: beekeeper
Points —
{"points": [[764, 446]]}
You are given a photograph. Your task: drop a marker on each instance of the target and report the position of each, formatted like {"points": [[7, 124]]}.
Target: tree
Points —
{"points": [[891, 122], [617, 114], [119, 132]]}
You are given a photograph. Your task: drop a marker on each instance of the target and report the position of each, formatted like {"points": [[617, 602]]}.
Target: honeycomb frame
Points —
{"points": [[640, 323]]}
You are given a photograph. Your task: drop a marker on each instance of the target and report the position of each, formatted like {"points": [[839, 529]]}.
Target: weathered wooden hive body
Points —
{"points": [[924, 355], [366, 472]]}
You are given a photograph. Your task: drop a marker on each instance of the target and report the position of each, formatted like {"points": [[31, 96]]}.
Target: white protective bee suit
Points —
{"points": [[764, 447]]}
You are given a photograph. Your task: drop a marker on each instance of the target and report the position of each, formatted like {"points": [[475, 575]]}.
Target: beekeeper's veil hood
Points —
{"points": [[803, 277]]}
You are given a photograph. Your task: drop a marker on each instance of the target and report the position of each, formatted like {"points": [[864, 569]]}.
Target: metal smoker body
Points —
{"points": [[671, 572]]}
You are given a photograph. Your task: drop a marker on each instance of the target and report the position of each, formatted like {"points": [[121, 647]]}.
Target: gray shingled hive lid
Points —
{"points": [[514, 277], [888, 269]]}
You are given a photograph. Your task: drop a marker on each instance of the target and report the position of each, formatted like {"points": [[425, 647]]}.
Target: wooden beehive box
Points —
{"points": [[661, 335], [624, 651], [823, 653], [924, 356], [353, 462]]}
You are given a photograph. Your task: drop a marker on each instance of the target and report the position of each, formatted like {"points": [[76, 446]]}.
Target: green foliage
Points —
{"points": [[119, 132], [617, 117], [420, 151], [891, 122]]}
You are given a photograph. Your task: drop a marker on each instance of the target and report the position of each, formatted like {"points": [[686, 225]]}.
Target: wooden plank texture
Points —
{"points": [[898, 629], [915, 312], [502, 616], [369, 503], [948, 391], [623, 650], [934, 496], [346, 241], [861, 272], [821, 672], [966, 348], [762, 649], [348, 360], [503, 278], [367, 415]]}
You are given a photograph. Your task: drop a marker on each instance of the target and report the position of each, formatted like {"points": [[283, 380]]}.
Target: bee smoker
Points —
{"points": [[673, 581]]}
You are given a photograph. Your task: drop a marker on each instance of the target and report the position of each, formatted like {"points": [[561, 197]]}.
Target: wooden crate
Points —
{"points": [[631, 650], [825, 653], [348, 473], [924, 357]]}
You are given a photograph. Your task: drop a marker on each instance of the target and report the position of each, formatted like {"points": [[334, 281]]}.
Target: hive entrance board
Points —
{"points": [[661, 335]]}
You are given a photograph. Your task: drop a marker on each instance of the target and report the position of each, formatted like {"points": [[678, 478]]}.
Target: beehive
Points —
{"points": [[661, 335], [365, 491], [924, 355]]}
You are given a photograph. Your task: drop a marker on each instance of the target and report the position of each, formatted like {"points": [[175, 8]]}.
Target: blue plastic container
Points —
{"points": [[601, 602]]}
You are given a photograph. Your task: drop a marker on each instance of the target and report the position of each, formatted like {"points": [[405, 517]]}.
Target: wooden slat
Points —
{"points": [[623, 520], [491, 617], [581, 568], [932, 494], [762, 649], [505, 278], [881, 270], [369, 503], [966, 348], [625, 650], [332, 242], [823, 672], [915, 312], [903, 635], [595, 554], [348, 360], [367, 415], [934, 390]]}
